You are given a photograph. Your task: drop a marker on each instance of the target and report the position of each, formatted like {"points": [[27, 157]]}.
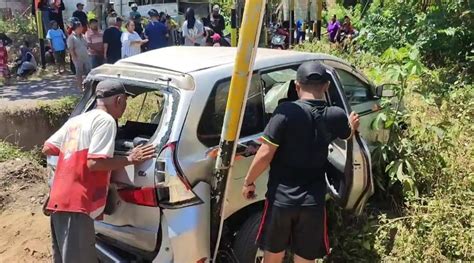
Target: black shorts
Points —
{"points": [[60, 57], [300, 229]]}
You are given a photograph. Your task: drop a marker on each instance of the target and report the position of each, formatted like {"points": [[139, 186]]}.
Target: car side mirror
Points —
{"points": [[385, 90]]}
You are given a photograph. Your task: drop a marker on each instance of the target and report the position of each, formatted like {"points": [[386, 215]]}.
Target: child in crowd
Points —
{"points": [[57, 38]]}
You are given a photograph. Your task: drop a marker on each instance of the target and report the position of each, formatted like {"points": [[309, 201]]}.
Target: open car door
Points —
{"points": [[349, 172]]}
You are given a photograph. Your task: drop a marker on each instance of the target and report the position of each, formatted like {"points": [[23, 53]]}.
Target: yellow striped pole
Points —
{"points": [[41, 34], [236, 101]]}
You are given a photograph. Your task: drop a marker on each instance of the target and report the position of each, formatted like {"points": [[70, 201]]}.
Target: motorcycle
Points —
{"points": [[279, 37]]}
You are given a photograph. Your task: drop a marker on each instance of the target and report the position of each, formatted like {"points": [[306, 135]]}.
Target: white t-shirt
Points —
{"points": [[128, 49], [75, 188]]}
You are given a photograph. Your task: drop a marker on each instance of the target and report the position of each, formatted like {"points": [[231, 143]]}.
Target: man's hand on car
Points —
{"points": [[354, 121], [141, 153]]}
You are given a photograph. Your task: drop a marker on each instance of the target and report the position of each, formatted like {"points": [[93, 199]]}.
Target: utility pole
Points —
{"points": [[236, 101], [40, 28], [292, 23], [319, 13]]}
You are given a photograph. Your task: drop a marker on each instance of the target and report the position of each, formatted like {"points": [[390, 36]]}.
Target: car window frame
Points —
{"points": [[214, 88]]}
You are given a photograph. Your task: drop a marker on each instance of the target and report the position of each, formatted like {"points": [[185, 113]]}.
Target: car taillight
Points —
{"points": [[141, 196], [173, 188]]}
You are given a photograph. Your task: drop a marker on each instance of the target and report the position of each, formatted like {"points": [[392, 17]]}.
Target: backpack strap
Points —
{"points": [[319, 125]]}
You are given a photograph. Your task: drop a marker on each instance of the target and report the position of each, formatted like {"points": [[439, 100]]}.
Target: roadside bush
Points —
{"points": [[58, 110], [9, 151], [19, 25], [422, 210]]}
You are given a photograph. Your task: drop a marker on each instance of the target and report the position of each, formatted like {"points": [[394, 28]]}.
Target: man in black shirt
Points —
{"points": [[81, 15], [295, 146], [112, 42]]}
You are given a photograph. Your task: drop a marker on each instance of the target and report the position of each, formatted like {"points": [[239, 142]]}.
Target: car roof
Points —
{"points": [[191, 59]]}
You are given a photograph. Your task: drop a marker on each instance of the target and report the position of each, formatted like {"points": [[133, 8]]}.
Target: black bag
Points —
{"points": [[322, 137]]}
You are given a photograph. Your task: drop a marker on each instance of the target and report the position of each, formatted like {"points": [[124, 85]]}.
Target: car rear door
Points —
{"points": [[349, 173]]}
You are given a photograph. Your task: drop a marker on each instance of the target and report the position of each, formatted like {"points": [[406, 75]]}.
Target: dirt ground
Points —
{"points": [[25, 232]]}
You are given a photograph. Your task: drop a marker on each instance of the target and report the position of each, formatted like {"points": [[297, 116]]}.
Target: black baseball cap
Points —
{"points": [[311, 72], [108, 88], [79, 4]]}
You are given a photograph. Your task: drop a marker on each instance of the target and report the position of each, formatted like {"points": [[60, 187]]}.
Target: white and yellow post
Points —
{"points": [[236, 101]]}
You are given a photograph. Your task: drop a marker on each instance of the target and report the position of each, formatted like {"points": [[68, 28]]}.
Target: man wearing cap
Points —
{"points": [[217, 22], [156, 31], [81, 15], [85, 146], [136, 17], [295, 146]]}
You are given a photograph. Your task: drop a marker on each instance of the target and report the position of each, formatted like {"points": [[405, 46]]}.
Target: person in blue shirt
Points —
{"points": [[300, 32], [156, 32], [57, 38]]}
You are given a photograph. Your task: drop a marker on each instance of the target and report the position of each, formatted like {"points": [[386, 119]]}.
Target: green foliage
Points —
{"points": [[143, 108], [442, 30], [19, 24], [58, 110], [422, 210], [9, 151]]}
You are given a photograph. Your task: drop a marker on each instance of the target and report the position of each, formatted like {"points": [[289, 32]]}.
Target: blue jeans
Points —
{"points": [[96, 60]]}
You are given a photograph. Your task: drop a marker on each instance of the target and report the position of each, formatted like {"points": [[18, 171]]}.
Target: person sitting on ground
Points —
{"points": [[57, 38], [348, 30], [95, 44], [333, 28], [156, 31], [131, 41], [78, 48], [26, 63]]}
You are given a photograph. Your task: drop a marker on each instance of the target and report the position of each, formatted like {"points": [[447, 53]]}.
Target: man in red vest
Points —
{"points": [[85, 146]]}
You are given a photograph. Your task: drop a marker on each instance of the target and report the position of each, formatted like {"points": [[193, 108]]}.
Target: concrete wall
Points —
{"points": [[13, 7], [27, 129]]}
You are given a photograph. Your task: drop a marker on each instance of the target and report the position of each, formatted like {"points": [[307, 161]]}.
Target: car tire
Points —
{"points": [[245, 249]]}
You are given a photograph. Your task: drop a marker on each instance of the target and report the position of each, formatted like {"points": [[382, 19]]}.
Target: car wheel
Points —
{"points": [[245, 249]]}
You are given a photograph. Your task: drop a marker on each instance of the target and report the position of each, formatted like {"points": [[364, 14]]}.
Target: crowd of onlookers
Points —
{"points": [[88, 46]]}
